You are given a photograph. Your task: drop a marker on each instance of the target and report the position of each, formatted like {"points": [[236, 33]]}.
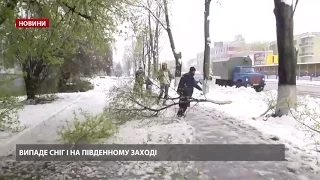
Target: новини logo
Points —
{"points": [[32, 23]]}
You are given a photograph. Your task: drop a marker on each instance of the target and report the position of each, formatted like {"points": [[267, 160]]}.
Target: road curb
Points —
{"points": [[8, 144]]}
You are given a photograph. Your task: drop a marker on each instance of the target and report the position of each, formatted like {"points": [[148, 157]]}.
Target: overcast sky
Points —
{"points": [[254, 19]]}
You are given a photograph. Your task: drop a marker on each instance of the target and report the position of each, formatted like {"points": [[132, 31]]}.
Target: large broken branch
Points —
{"points": [[176, 103]]}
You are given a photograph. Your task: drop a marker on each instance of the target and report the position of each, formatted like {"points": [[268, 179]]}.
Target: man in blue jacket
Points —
{"points": [[185, 90]]}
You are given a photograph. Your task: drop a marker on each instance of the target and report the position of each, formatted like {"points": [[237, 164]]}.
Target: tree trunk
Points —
{"points": [[156, 43], [287, 90], [151, 47], [207, 40], [30, 85], [143, 51], [176, 54], [149, 59], [157, 46]]}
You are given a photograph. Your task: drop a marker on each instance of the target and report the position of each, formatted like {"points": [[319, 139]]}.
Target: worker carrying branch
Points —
{"points": [[185, 90]]}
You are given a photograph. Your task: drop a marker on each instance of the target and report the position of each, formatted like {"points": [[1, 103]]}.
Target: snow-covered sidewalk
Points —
{"points": [[248, 104], [205, 123], [35, 116]]}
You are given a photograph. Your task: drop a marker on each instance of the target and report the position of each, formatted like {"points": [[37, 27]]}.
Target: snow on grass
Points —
{"points": [[32, 115], [246, 104], [160, 130], [35, 114], [154, 131]]}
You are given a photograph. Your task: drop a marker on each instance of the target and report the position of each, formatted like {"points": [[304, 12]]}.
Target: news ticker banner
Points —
{"points": [[150, 152]]}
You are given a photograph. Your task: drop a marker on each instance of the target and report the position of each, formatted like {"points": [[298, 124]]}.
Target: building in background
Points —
{"points": [[272, 59], [221, 51], [307, 44], [264, 58]]}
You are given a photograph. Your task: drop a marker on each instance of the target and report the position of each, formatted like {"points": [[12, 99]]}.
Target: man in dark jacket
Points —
{"points": [[185, 90]]}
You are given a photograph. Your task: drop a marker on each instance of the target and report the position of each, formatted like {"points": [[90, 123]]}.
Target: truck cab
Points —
{"points": [[237, 71], [247, 77]]}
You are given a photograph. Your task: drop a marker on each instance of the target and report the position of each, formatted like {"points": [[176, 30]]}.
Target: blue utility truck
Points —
{"points": [[238, 71]]}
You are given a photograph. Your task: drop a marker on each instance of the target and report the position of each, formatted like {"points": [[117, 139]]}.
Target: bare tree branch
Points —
{"points": [[73, 10], [295, 7], [149, 11]]}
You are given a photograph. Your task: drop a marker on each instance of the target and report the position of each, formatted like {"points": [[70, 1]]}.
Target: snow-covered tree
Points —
{"points": [[207, 41], [287, 90]]}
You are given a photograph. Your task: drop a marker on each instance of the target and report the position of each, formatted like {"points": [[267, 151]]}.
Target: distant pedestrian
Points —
{"points": [[165, 77], [185, 90], [139, 81], [149, 84]]}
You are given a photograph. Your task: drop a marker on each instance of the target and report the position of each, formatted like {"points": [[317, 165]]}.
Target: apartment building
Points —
{"points": [[220, 51], [307, 44]]}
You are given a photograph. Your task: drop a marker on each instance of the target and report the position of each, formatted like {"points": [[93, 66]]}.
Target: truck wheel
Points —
{"points": [[238, 83], [259, 88]]}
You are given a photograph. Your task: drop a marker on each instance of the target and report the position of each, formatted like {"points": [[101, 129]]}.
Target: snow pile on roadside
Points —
{"points": [[246, 104]]}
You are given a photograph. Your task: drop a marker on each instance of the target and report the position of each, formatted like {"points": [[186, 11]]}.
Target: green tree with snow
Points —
{"points": [[37, 51]]}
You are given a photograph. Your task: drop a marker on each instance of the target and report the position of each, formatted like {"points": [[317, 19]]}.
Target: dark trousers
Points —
{"points": [[183, 103], [164, 88]]}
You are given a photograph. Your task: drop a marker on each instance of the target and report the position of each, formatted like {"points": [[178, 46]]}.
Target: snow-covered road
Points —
{"points": [[205, 123]]}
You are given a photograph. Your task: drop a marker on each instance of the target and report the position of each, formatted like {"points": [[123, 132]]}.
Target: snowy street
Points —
{"points": [[205, 123], [310, 88]]}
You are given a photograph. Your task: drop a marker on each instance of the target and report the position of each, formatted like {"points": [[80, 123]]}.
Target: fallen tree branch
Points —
{"points": [[261, 115], [311, 128], [126, 102], [176, 103]]}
